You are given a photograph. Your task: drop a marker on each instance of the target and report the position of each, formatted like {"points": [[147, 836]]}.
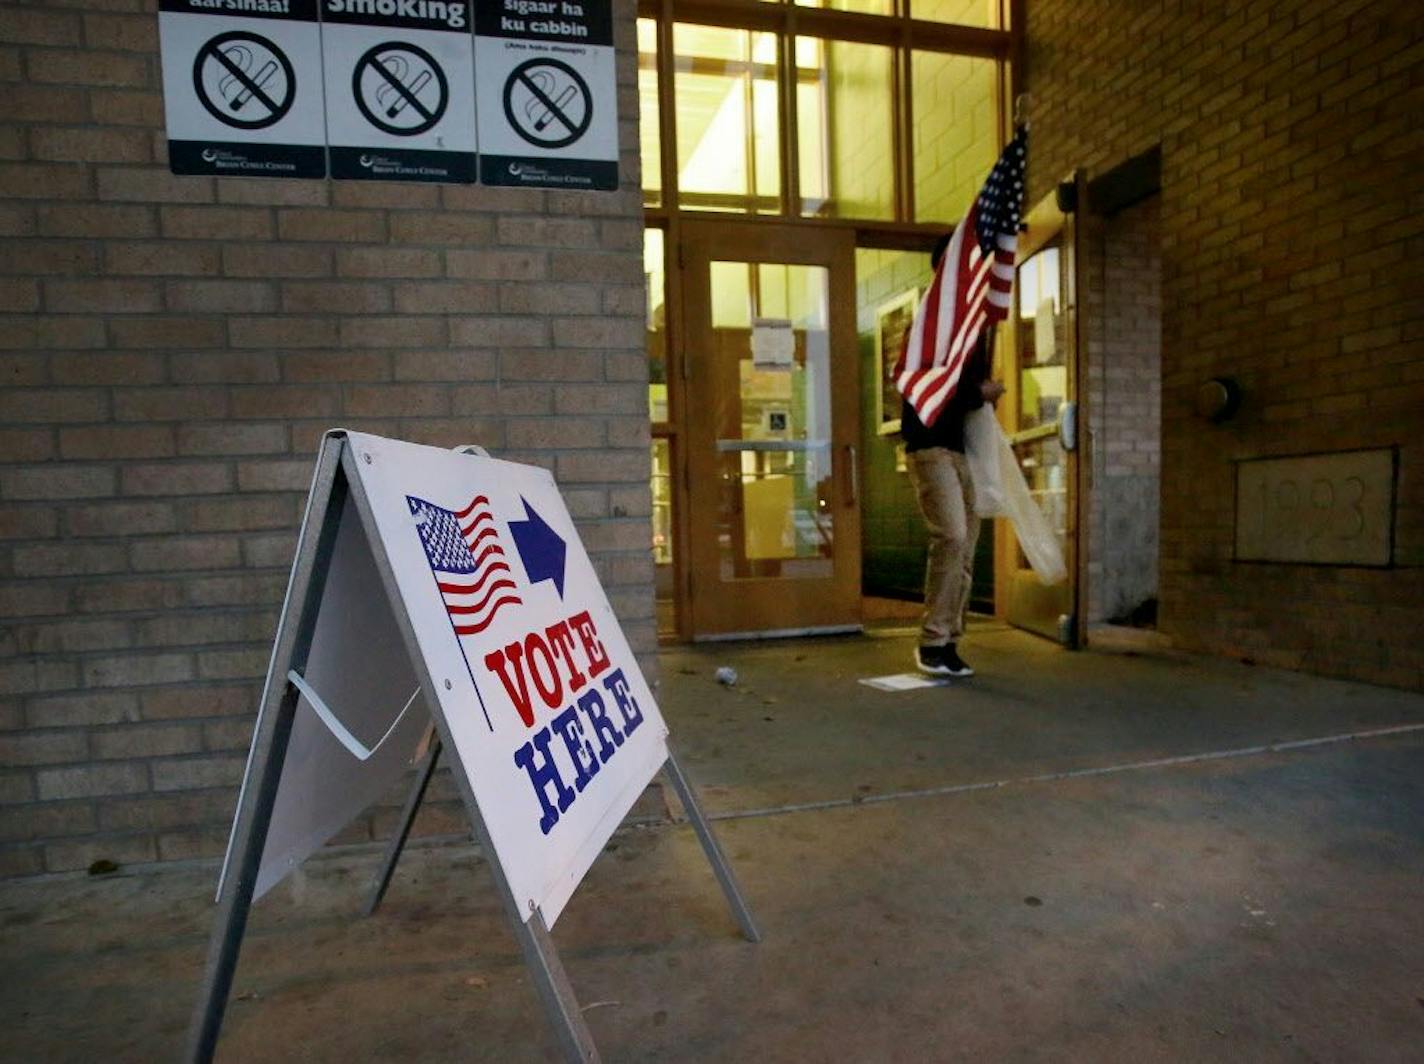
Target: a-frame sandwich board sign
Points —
{"points": [[442, 600]]}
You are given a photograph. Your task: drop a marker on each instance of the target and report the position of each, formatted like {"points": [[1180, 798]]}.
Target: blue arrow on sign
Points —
{"points": [[541, 549]]}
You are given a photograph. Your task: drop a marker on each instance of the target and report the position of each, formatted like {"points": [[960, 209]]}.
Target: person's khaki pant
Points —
{"points": [[946, 496]]}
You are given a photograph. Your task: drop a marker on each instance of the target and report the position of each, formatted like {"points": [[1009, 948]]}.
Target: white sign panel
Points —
{"points": [[773, 342], [548, 96], [548, 711], [242, 90], [400, 90], [360, 723]]}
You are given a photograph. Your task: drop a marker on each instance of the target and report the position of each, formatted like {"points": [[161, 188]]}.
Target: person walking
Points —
{"points": [[944, 374], [945, 493]]}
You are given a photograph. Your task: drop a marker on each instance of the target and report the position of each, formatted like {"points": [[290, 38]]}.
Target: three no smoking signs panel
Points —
{"points": [[507, 92]]}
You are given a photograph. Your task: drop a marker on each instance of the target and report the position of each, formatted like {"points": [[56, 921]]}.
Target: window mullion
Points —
{"points": [[787, 94], [904, 136], [667, 106]]}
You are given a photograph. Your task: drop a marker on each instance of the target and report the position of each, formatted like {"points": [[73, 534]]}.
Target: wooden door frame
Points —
{"points": [[767, 241], [1056, 211]]}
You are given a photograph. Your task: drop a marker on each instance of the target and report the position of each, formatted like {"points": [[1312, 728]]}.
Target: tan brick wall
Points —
{"points": [[1120, 292], [173, 349], [1292, 242]]}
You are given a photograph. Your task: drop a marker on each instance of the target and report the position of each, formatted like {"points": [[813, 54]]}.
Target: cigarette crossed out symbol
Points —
{"points": [[400, 88], [244, 80], [547, 103]]}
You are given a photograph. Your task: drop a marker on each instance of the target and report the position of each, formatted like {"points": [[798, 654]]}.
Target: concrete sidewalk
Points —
{"points": [[1070, 857]]}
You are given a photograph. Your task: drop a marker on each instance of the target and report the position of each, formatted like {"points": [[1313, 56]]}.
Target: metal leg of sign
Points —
{"points": [[407, 818], [269, 748], [718, 859], [555, 990], [560, 1004]]}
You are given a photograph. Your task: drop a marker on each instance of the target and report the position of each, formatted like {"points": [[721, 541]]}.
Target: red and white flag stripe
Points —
{"points": [[945, 323], [474, 599]]}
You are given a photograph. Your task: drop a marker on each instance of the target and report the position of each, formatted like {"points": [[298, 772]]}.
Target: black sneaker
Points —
{"points": [[953, 664], [931, 660]]}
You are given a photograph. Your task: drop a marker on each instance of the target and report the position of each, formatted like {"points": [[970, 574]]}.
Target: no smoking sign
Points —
{"points": [[400, 89], [400, 92], [244, 80], [243, 96], [548, 103]]}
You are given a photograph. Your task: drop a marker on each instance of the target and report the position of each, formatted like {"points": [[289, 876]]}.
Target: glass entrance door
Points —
{"points": [[1042, 378], [772, 416]]}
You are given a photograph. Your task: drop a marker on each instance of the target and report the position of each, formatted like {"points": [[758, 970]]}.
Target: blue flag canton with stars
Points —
{"points": [[440, 535], [1001, 200]]}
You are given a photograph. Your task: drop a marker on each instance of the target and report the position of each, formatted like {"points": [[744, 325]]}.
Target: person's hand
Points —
{"points": [[990, 391]]}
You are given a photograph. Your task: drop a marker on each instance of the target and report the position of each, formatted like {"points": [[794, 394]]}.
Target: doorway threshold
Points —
{"points": [[781, 633]]}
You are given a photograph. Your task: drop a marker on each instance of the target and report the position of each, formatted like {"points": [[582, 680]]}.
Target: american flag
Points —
{"points": [[467, 558], [970, 289]]}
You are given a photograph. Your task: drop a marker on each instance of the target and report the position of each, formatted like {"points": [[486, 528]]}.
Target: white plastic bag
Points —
{"points": [[1040, 545], [981, 452]]}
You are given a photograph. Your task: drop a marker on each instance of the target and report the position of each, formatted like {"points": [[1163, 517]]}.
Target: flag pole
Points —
{"points": [[1023, 104]]}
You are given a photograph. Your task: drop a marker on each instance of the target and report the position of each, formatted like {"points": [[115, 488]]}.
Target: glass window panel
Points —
{"points": [[808, 52], [1045, 470], [955, 106], [663, 543], [774, 431], [650, 138], [764, 48], [1042, 337], [655, 274], [983, 13], [766, 149], [731, 295], [708, 42], [865, 7], [662, 505], [845, 126], [728, 124], [815, 163]]}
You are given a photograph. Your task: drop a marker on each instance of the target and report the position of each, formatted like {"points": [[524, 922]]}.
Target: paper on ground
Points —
{"points": [[903, 681]]}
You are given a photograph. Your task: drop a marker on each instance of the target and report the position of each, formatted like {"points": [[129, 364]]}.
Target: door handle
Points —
{"points": [[852, 475], [1068, 426]]}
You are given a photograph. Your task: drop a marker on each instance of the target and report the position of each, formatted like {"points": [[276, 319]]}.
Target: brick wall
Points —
{"points": [[174, 349], [1123, 322], [1292, 244]]}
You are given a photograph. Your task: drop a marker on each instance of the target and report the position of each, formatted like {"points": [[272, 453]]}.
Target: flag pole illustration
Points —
{"points": [[970, 291]]}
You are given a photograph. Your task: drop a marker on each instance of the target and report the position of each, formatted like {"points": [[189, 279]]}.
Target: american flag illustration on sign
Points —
{"points": [[467, 557], [468, 561]]}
